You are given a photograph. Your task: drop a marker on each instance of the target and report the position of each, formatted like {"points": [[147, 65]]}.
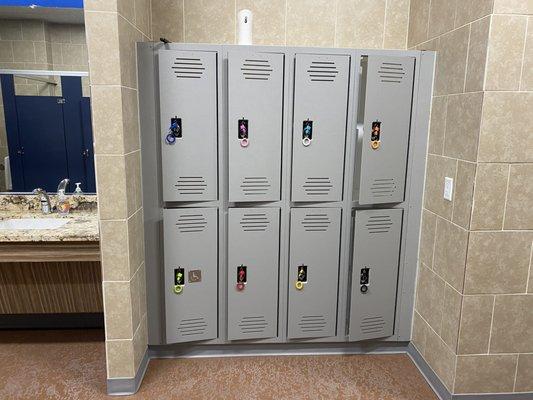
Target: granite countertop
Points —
{"points": [[82, 222]]}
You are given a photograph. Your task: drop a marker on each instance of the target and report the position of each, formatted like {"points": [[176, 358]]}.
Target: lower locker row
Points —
{"points": [[191, 249]]}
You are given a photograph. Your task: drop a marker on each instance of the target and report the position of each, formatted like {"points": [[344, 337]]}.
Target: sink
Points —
{"points": [[32, 223]]}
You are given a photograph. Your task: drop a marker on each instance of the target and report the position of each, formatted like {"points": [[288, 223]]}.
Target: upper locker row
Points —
{"points": [[189, 87]]}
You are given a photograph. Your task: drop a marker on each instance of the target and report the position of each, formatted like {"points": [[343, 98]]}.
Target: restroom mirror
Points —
{"points": [[45, 113]]}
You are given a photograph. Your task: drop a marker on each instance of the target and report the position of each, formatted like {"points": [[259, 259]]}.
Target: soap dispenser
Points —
{"points": [[63, 203]]}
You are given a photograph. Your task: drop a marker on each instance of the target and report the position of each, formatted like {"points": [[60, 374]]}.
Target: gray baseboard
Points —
{"points": [[129, 386]]}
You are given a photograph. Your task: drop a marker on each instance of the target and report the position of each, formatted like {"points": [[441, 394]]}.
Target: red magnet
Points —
{"points": [[240, 286]]}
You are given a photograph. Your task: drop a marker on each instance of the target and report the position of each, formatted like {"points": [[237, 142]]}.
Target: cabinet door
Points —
{"points": [[188, 107], [255, 117], [253, 264], [191, 274], [387, 120], [376, 253], [321, 86], [313, 272]]}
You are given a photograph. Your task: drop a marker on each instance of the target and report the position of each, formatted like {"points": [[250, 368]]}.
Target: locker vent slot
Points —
{"points": [[312, 323], [322, 71], [372, 325], [379, 224], [383, 187], [255, 185], [188, 68], [316, 222], [391, 72], [256, 69], [191, 185], [191, 223], [256, 222], [253, 324], [192, 326], [317, 186]]}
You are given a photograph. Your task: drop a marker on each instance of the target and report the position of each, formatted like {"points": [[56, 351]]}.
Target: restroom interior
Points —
{"points": [[462, 290]]}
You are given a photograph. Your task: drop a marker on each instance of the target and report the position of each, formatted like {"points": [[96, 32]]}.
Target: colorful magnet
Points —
{"points": [[240, 286], [299, 285], [375, 144], [178, 289], [170, 138], [244, 142]]}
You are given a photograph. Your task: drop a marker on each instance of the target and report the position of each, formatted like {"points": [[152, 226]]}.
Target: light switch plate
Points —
{"points": [[448, 188]]}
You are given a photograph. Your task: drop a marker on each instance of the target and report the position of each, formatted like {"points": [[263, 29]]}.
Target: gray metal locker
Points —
{"points": [[188, 108], [321, 86], [388, 93], [313, 272], [253, 261], [255, 117], [375, 273], [191, 274]]}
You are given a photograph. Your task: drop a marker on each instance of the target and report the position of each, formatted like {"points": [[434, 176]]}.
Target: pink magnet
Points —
{"points": [[244, 142], [240, 286]]}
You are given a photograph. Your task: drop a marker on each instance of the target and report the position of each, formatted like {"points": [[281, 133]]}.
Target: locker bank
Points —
{"points": [[282, 192]]}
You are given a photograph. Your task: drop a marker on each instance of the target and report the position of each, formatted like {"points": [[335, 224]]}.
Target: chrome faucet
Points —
{"points": [[46, 207], [63, 185]]}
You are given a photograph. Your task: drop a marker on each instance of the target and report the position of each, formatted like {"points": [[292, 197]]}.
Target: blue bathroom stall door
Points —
{"points": [[88, 148]]}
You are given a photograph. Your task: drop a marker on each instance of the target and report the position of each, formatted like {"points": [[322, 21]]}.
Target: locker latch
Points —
{"points": [[375, 135], [241, 277], [364, 279], [242, 126], [174, 130], [179, 280], [307, 132], [301, 277]]}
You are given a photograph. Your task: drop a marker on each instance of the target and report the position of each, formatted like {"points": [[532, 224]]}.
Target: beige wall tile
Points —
{"points": [[451, 61], [476, 318], [269, 20], [451, 313], [74, 54], [450, 253], [135, 231], [167, 20], [143, 17], [6, 51], [419, 335], [437, 169], [218, 28], [512, 325], [396, 24], [489, 196], [319, 26], [40, 52], [427, 238], [441, 17], [114, 250], [477, 54], [120, 359], [512, 111], [126, 8], [519, 206], [130, 113], [497, 262], [524, 373], [118, 310], [463, 120], [77, 34], [353, 27], [430, 297], [506, 46], [485, 374], [470, 10], [33, 30], [140, 341], [133, 181], [57, 55], [526, 82], [100, 5], [142, 289], [438, 125], [418, 22], [440, 358], [59, 33], [135, 303], [107, 120], [463, 193], [128, 37], [513, 6], [103, 47], [111, 187], [23, 51], [10, 30]]}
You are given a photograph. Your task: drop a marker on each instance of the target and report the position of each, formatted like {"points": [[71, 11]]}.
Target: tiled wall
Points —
{"points": [[474, 321], [33, 44], [340, 23], [113, 27]]}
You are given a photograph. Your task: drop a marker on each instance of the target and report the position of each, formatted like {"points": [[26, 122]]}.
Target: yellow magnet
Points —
{"points": [[374, 144], [299, 285], [178, 289]]}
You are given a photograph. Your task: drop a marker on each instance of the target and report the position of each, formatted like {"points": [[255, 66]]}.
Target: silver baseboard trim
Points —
{"points": [[129, 386]]}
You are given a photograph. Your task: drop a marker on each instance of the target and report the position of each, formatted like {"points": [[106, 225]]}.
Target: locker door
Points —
{"points": [[191, 275], [376, 254], [255, 115], [387, 118], [253, 249], [313, 272], [319, 126], [188, 106]]}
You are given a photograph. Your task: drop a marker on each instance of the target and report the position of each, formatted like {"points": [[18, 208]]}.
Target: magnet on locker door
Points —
{"points": [[179, 280], [307, 132], [301, 278], [241, 277], [174, 130], [242, 127], [375, 135]]}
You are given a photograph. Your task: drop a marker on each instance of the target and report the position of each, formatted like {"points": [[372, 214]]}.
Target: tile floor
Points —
{"points": [[71, 365]]}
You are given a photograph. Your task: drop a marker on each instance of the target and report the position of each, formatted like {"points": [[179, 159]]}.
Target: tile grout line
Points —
{"points": [[406, 41], [523, 54], [454, 187], [285, 25], [529, 270], [515, 372], [183, 21], [385, 24], [467, 55], [491, 324], [506, 196]]}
